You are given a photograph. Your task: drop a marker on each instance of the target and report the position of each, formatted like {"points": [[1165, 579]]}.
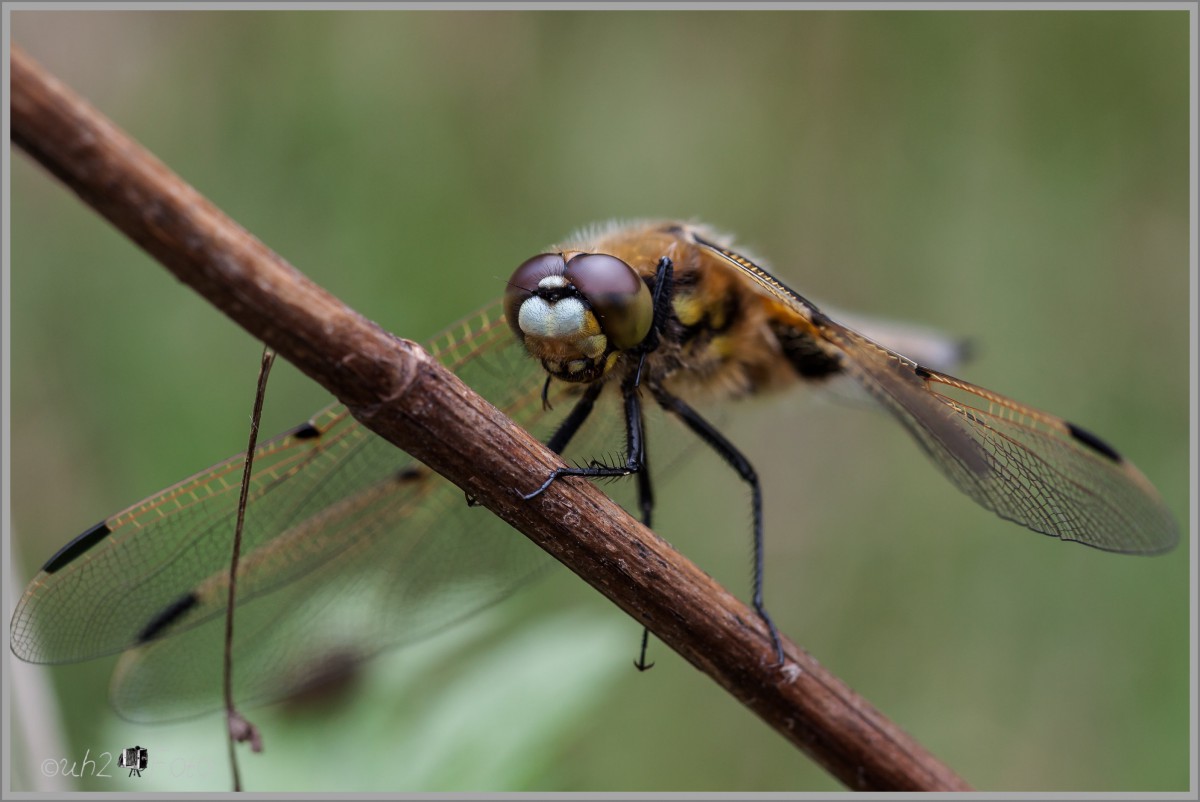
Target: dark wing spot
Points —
{"points": [[305, 431], [410, 474], [802, 351], [169, 615], [1095, 443], [76, 547], [922, 372], [325, 680]]}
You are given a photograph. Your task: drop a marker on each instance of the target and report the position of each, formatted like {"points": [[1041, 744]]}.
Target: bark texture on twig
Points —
{"points": [[400, 392]]}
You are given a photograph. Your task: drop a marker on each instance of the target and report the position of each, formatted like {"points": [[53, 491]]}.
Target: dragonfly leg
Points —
{"points": [[633, 435], [728, 452], [636, 463], [646, 505], [566, 430], [641, 663], [575, 419], [664, 288]]}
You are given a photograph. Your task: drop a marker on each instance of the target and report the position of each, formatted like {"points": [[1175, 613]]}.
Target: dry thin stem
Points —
{"points": [[401, 393], [240, 728]]}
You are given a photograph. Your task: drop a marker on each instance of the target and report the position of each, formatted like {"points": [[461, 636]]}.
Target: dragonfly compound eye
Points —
{"points": [[525, 281], [618, 297]]}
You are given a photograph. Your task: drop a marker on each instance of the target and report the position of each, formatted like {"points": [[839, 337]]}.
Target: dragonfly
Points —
{"points": [[352, 546]]}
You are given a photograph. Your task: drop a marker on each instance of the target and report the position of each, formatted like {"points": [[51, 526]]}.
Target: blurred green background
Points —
{"points": [[1019, 178]]}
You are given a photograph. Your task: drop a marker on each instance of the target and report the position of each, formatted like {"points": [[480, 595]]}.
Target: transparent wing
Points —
{"points": [[1025, 465], [350, 547]]}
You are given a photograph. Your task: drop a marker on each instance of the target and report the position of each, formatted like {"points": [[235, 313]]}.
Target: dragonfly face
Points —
{"points": [[577, 312], [352, 546]]}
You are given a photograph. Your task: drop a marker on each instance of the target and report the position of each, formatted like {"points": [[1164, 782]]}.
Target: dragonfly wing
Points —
{"points": [[418, 559], [111, 586], [351, 546], [1025, 465], [922, 344]]}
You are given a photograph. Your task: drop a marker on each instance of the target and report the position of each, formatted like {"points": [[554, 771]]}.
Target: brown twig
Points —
{"points": [[400, 392]]}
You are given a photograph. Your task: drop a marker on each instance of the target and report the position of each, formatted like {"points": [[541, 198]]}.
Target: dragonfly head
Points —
{"points": [[576, 312]]}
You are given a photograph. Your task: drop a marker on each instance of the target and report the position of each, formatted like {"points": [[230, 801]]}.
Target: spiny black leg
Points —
{"points": [[570, 425], [645, 491], [664, 288], [640, 664], [579, 413], [646, 506], [633, 437], [546, 393], [728, 452], [637, 454]]}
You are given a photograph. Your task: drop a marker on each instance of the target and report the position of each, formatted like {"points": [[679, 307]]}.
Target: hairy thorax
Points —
{"points": [[724, 339]]}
